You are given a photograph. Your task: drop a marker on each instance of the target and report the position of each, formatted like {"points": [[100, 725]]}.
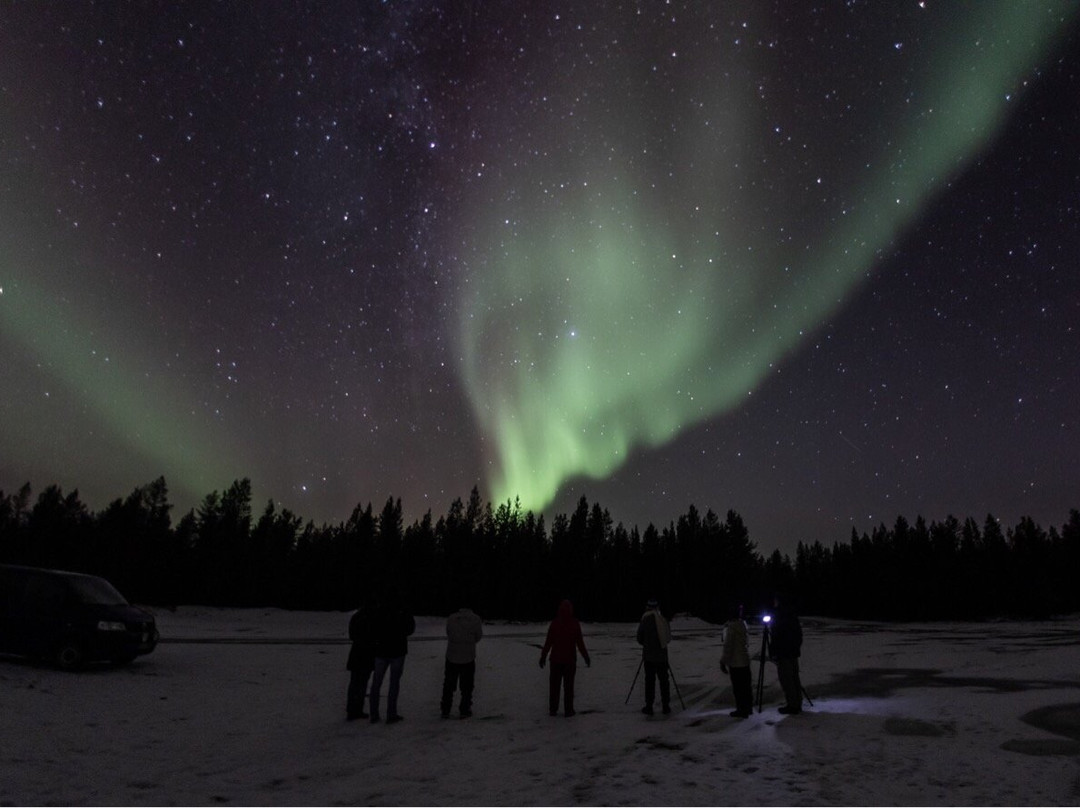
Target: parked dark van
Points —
{"points": [[70, 618]]}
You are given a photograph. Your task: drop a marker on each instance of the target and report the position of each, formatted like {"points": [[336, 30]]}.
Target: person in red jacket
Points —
{"points": [[564, 640]]}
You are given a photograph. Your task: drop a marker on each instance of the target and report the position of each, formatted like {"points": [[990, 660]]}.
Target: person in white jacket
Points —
{"points": [[464, 629], [735, 661], [653, 635]]}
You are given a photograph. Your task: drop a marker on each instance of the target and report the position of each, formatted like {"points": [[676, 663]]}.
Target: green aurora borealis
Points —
{"points": [[119, 383], [812, 262], [632, 281]]}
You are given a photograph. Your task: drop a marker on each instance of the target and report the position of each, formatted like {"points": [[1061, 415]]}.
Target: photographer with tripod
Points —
{"points": [[786, 646], [653, 635]]}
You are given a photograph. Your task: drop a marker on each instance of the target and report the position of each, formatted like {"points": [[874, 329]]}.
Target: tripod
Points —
{"points": [[765, 643], [671, 673], [636, 675], [761, 666], [677, 691]]}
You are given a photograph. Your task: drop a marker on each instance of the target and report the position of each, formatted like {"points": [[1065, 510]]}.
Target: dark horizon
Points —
{"points": [[516, 566], [411, 515]]}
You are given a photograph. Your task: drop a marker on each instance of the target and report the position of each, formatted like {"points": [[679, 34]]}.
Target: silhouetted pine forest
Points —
{"points": [[511, 565]]}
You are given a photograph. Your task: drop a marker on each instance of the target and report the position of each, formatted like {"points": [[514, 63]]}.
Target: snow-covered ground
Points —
{"points": [[247, 706]]}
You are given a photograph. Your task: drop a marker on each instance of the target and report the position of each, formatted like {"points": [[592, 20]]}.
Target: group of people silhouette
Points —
{"points": [[380, 628]]}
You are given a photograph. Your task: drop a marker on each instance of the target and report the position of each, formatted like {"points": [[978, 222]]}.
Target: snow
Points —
{"points": [[247, 706]]}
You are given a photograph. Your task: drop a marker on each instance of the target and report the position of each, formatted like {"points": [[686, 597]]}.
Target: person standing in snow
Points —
{"points": [[393, 625], [735, 661], [563, 641], [653, 635], [361, 659], [786, 647], [464, 630]]}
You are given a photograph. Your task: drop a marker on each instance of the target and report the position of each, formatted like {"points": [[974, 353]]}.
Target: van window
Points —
{"points": [[95, 591], [45, 594], [12, 587]]}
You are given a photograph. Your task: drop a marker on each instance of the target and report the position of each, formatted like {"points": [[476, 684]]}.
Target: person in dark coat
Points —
{"points": [[735, 661], [361, 660], [563, 641], [653, 635], [393, 626], [785, 648]]}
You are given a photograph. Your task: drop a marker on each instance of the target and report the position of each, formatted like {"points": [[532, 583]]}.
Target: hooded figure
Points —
{"points": [[653, 635], [563, 641]]}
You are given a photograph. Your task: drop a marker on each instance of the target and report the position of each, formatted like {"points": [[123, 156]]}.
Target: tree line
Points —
{"points": [[509, 564]]}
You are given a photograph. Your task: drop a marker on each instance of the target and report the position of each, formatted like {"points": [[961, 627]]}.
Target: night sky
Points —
{"points": [[818, 263]]}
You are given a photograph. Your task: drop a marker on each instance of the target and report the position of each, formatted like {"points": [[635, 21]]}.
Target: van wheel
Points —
{"points": [[70, 656]]}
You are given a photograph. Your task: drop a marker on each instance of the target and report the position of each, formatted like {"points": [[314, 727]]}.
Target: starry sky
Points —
{"points": [[815, 262]]}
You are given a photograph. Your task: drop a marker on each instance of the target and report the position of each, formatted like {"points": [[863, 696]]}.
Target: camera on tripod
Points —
{"points": [[766, 643]]}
